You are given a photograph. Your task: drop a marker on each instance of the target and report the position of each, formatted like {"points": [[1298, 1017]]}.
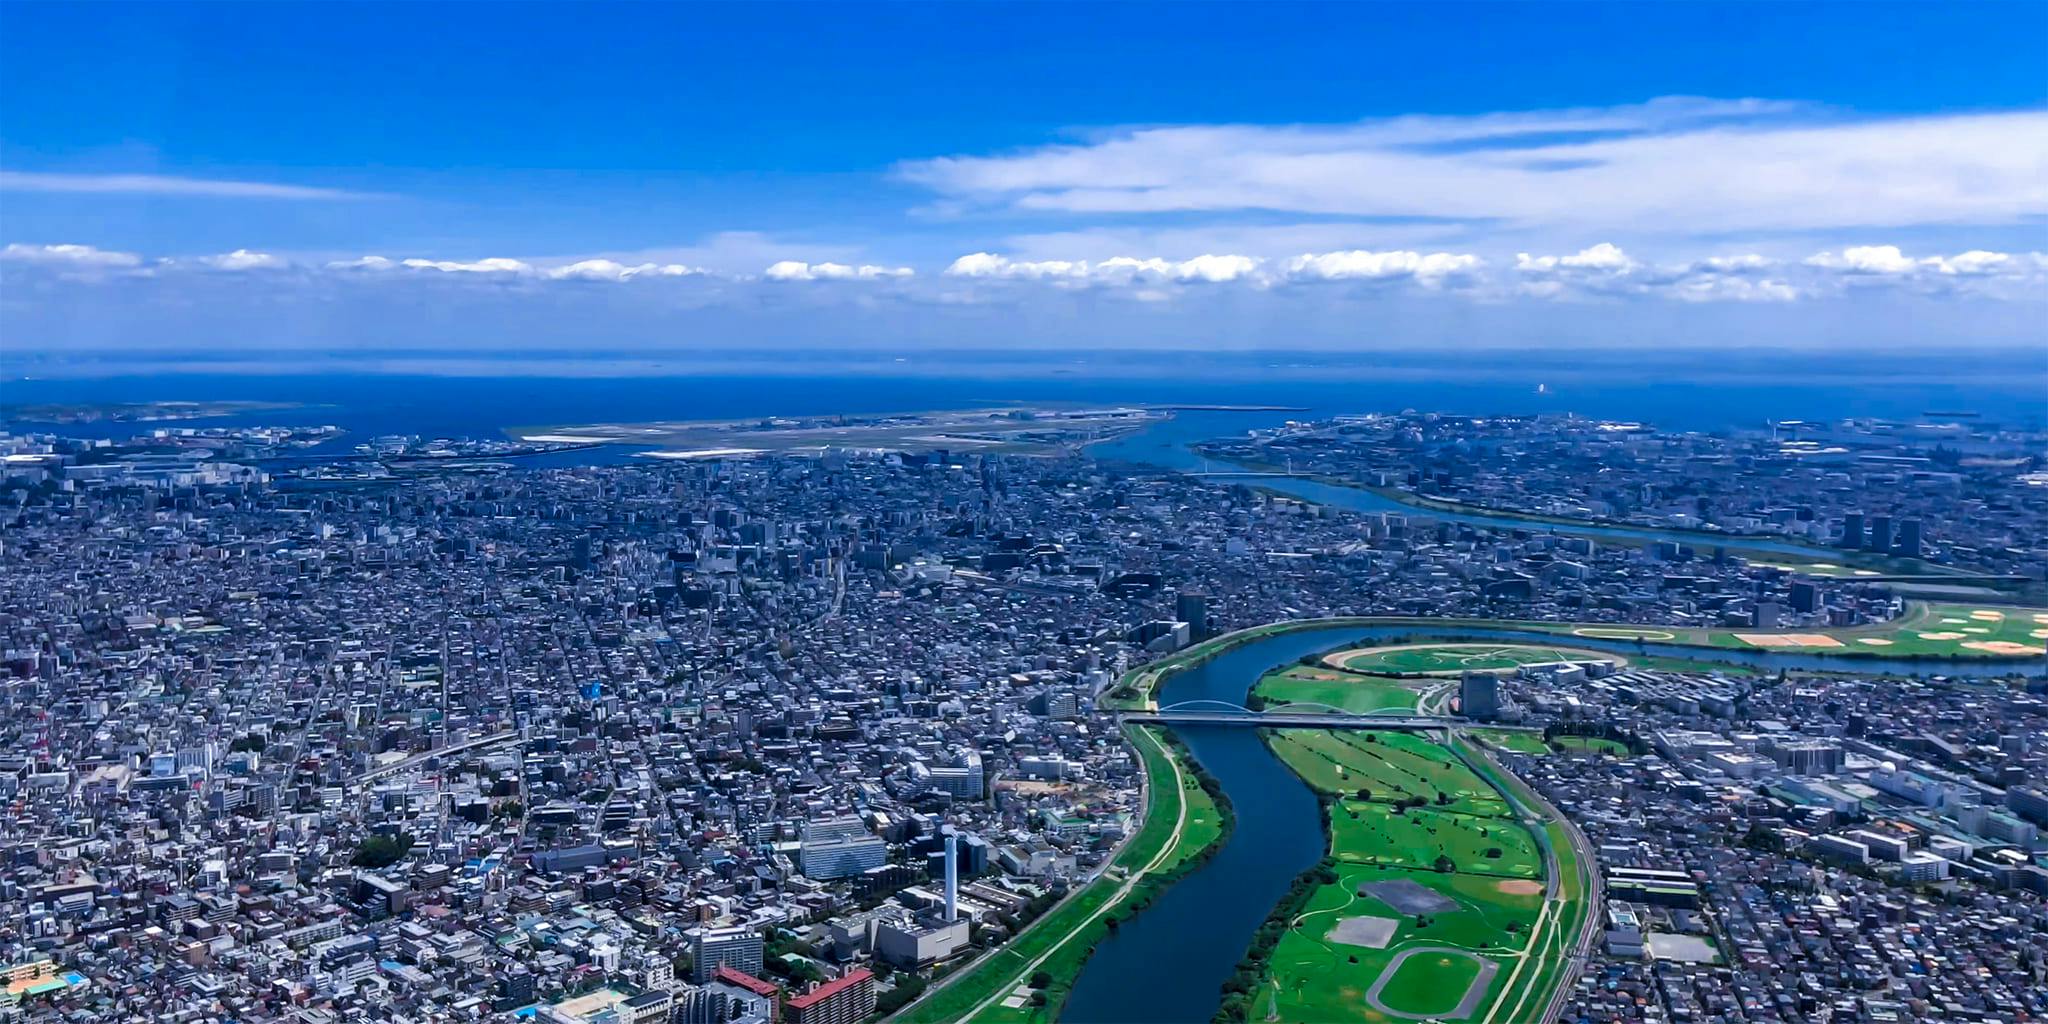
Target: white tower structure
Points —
{"points": [[952, 876]]}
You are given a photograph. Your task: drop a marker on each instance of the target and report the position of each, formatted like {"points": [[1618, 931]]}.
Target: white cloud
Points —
{"points": [[244, 259], [1599, 272], [363, 263], [1976, 261], [1975, 269], [1711, 287], [1605, 271], [797, 270], [611, 270], [1678, 166], [1271, 242], [493, 265], [581, 270], [988, 264], [1361, 264], [164, 185], [68, 255], [1115, 270], [1604, 257], [1865, 259], [1742, 264]]}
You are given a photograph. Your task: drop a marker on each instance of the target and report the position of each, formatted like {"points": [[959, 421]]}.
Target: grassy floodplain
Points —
{"points": [[1303, 684], [1182, 820], [2015, 624], [1485, 945], [1176, 829]]}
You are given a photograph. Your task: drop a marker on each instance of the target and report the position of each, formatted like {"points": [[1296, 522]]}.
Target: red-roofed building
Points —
{"points": [[765, 989], [847, 999]]}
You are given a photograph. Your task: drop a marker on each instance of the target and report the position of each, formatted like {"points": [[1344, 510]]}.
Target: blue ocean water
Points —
{"points": [[480, 397]]}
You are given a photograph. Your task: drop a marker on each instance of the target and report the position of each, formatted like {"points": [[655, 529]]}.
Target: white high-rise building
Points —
{"points": [[738, 947]]}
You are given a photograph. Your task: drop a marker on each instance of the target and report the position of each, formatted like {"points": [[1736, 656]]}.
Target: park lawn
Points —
{"points": [[1390, 765], [1357, 694], [1590, 745], [1517, 742], [1945, 628], [1430, 983], [1312, 978], [1937, 630], [1377, 833]]}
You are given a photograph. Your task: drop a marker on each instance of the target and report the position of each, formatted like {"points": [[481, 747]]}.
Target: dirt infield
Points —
{"points": [[1410, 898], [1519, 886], [1367, 931], [1788, 639], [2001, 647]]}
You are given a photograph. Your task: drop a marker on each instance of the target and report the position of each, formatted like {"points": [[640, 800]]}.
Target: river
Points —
{"points": [[1168, 965], [1166, 446]]}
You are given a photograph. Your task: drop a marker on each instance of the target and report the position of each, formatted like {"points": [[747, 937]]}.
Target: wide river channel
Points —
{"points": [[1165, 445], [1168, 965]]}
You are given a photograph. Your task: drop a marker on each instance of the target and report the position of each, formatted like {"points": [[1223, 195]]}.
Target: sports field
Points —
{"points": [[1438, 911], [1442, 659], [1954, 630]]}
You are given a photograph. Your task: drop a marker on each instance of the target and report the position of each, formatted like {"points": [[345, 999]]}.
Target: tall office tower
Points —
{"points": [[1479, 695], [1193, 609], [1909, 538], [1852, 530], [1880, 533]]}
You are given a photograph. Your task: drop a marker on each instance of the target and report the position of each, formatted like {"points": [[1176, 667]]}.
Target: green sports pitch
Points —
{"points": [[1452, 659]]}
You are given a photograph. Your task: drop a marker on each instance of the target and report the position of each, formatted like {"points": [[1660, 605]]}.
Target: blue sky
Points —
{"points": [[1194, 174]]}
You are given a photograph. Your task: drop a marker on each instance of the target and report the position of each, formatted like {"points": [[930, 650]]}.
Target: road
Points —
{"points": [[1573, 956], [419, 759]]}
